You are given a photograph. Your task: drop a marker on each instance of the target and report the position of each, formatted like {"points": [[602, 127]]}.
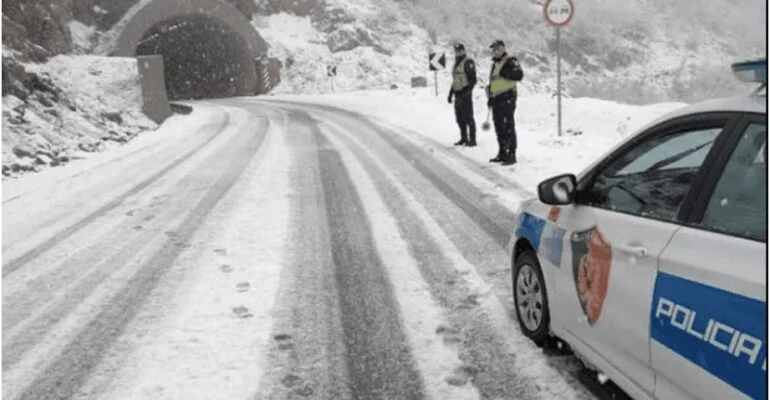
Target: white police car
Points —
{"points": [[651, 264]]}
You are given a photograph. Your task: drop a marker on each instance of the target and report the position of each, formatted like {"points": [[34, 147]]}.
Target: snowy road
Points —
{"points": [[276, 251]]}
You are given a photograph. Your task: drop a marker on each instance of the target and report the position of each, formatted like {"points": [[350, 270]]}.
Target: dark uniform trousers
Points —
{"points": [[505, 127], [464, 116]]}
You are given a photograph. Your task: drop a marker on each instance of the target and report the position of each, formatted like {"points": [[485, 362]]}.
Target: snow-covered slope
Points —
{"points": [[639, 51], [372, 47], [75, 104]]}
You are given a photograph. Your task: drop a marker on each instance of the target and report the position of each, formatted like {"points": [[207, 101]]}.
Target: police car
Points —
{"points": [[651, 264]]}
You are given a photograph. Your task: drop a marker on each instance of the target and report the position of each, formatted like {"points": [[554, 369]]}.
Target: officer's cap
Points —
{"points": [[497, 43], [459, 46]]}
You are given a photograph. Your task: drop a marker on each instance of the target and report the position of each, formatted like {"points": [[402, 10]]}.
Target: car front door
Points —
{"points": [[626, 212], [709, 320]]}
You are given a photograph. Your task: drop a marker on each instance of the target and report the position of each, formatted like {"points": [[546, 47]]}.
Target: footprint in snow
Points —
{"points": [[221, 252], [472, 301], [226, 268], [304, 391], [291, 380], [137, 228], [284, 341], [243, 287], [242, 312], [462, 375], [298, 385], [131, 213], [449, 334]]}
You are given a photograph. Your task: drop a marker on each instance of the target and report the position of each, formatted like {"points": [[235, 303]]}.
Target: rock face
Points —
{"points": [[349, 37], [38, 29], [300, 8], [51, 114], [419, 81]]}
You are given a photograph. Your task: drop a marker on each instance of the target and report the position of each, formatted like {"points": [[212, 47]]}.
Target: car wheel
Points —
{"points": [[530, 298]]}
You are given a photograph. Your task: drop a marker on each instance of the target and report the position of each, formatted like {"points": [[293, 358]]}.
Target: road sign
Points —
{"points": [[331, 72], [558, 12], [437, 61]]}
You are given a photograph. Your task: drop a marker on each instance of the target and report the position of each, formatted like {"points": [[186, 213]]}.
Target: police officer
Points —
{"points": [[463, 81], [501, 94]]}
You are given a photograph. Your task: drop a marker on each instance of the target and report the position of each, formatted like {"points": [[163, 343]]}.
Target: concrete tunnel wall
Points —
{"points": [[251, 78], [154, 94]]}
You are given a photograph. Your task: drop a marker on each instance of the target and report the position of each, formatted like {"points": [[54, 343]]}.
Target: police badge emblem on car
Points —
{"points": [[591, 262]]}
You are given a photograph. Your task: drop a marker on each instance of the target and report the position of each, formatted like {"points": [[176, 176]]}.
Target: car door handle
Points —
{"points": [[635, 250]]}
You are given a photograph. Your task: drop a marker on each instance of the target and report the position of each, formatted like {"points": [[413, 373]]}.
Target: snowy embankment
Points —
{"points": [[74, 105], [590, 127]]}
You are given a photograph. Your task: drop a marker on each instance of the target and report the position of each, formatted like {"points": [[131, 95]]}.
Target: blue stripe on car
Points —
{"points": [[531, 228], [545, 237], [719, 331]]}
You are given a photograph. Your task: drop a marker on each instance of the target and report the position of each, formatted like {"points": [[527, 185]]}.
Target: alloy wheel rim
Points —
{"points": [[529, 297]]}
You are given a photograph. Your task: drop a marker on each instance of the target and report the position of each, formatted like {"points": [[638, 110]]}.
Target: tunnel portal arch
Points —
{"points": [[157, 13]]}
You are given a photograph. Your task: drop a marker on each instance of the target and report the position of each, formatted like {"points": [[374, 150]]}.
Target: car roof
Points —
{"points": [[752, 104], [748, 104]]}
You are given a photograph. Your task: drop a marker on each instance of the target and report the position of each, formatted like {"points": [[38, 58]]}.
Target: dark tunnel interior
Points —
{"points": [[202, 57]]}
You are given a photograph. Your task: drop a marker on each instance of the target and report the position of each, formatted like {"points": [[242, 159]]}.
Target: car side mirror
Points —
{"points": [[558, 191]]}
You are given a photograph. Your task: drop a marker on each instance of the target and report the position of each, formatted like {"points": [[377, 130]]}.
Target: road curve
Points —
{"points": [[281, 251]]}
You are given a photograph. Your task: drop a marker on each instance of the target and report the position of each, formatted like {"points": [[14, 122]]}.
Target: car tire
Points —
{"points": [[530, 298]]}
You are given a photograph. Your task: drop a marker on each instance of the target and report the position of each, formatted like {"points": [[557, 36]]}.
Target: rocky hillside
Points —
{"points": [[632, 51], [636, 51]]}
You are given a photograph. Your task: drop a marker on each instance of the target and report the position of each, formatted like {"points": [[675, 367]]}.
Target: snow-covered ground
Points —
{"points": [[269, 288], [590, 127]]}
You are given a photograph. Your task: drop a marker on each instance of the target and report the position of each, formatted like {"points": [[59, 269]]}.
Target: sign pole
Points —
{"points": [[558, 74], [558, 13], [435, 81], [331, 79]]}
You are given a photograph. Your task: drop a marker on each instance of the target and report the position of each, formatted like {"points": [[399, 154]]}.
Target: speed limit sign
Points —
{"points": [[558, 12]]}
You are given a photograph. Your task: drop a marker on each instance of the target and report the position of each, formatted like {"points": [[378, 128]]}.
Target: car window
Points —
{"points": [[653, 178], [739, 203]]}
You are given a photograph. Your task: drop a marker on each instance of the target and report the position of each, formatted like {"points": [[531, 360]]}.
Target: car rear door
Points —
{"points": [[709, 313]]}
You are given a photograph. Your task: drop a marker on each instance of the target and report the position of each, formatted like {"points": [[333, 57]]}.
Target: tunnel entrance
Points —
{"points": [[202, 57]]}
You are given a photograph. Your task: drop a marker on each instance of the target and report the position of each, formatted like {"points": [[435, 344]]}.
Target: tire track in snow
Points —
{"points": [[307, 355], [379, 360], [29, 315], [465, 195], [36, 251], [34, 305], [203, 332], [341, 290], [430, 337], [65, 374], [486, 346]]}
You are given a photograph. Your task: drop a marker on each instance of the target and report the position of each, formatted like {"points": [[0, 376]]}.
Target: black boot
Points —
{"points": [[461, 142], [510, 158], [498, 158], [472, 141]]}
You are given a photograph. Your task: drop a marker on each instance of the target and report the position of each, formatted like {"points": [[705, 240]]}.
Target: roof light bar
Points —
{"points": [[751, 71]]}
